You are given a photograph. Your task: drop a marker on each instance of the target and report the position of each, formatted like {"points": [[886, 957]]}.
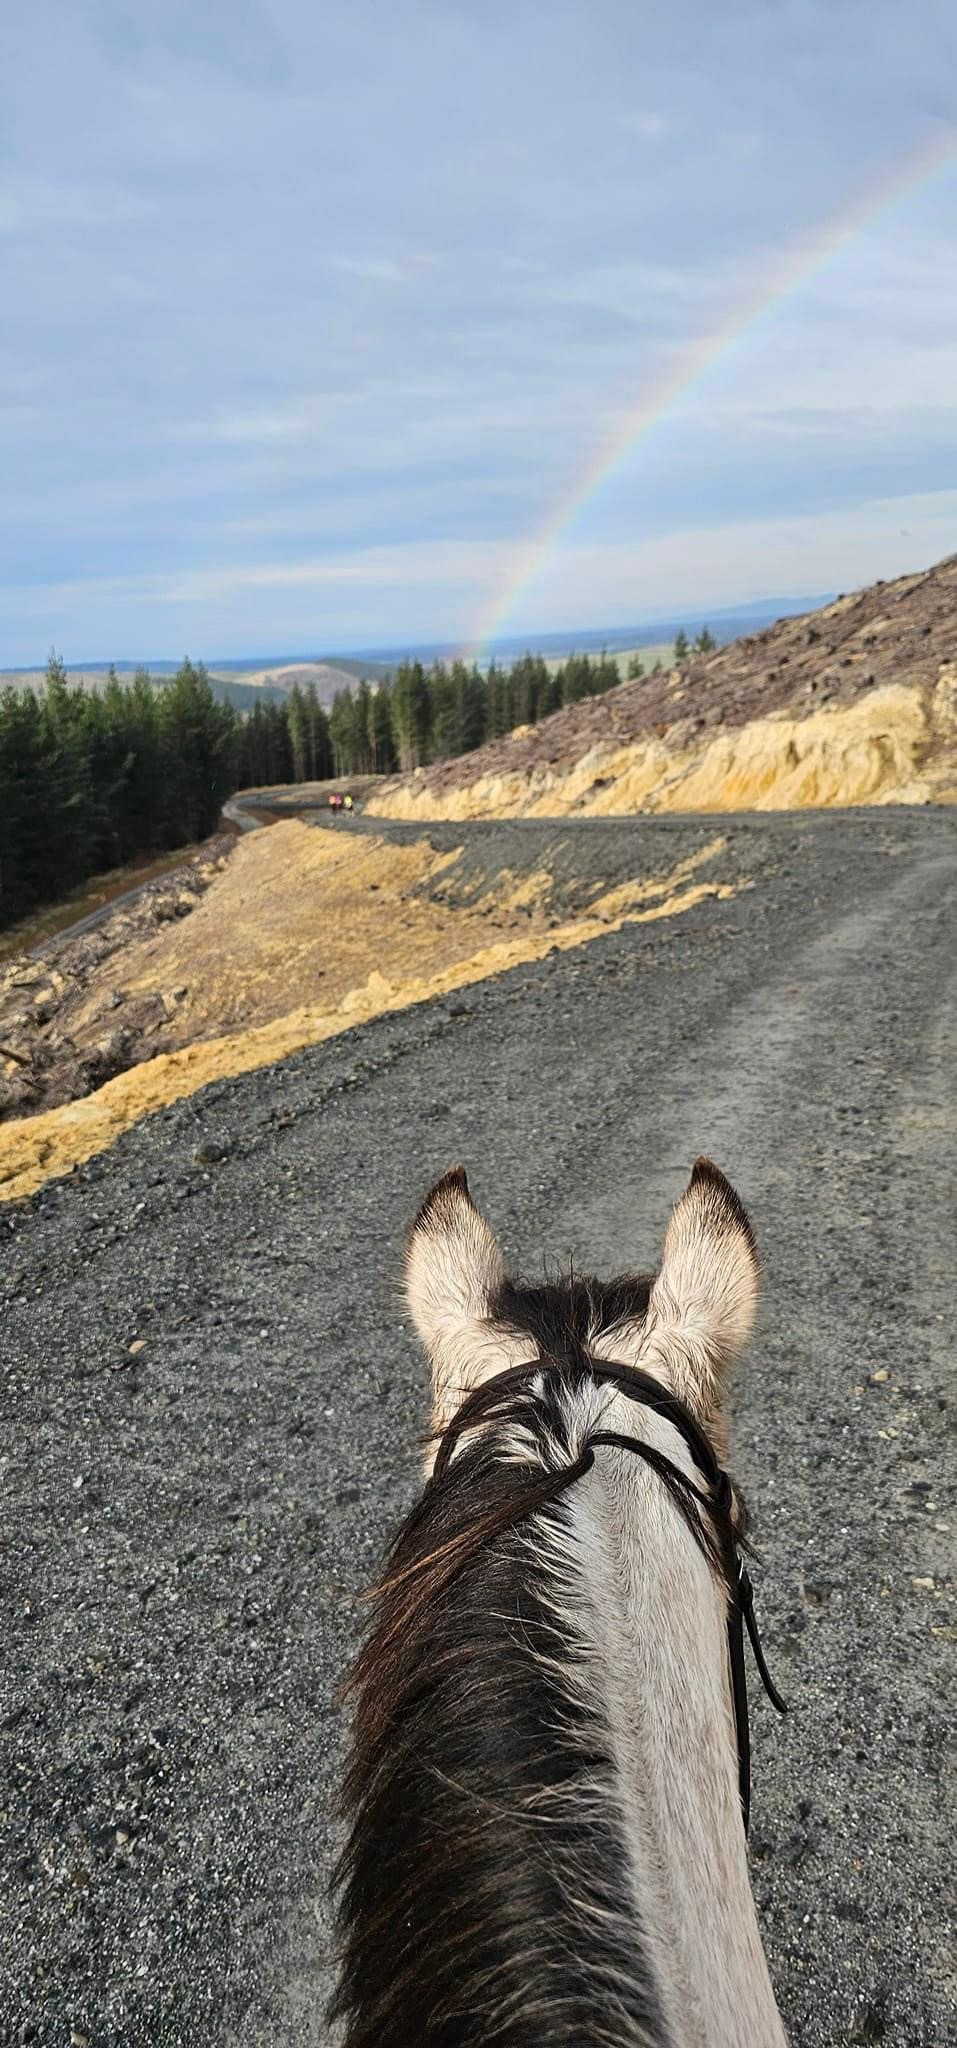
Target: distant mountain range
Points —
{"points": [[245, 683], [725, 624]]}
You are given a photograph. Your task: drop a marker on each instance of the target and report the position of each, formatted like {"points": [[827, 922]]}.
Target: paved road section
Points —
{"points": [[212, 1398]]}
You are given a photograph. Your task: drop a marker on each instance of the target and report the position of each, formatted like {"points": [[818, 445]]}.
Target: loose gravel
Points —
{"points": [[212, 1401]]}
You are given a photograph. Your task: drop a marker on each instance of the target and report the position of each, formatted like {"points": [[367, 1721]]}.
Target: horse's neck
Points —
{"points": [[659, 1620]]}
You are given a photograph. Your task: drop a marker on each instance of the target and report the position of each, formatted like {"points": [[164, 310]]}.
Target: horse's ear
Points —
{"points": [[704, 1297], [453, 1272]]}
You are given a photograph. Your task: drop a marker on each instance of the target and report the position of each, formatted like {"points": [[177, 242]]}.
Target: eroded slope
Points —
{"points": [[307, 932], [853, 704]]}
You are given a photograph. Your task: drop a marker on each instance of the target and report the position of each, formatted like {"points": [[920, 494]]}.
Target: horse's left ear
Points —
{"points": [[704, 1297], [453, 1272]]}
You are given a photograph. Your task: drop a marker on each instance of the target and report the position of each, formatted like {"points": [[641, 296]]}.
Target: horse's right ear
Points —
{"points": [[704, 1297], [453, 1268]]}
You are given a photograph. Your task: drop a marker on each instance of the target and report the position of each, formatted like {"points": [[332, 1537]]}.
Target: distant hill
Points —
{"points": [[853, 703], [327, 676], [235, 691]]}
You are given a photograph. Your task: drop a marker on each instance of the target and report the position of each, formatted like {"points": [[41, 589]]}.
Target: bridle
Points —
{"points": [[489, 1403]]}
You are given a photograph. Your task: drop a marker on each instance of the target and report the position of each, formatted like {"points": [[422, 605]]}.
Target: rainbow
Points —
{"points": [[793, 269]]}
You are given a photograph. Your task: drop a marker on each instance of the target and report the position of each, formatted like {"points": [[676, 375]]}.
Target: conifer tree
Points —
{"points": [[25, 877], [607, 675], [67, 794], [411, 715], [473, 706], [363, 741], [298, 724], [499, 687], [319, 745], [382, 751], [344, 733], [198, 736], [445, 737]]}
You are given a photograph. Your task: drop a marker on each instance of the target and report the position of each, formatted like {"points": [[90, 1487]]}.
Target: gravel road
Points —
{"points": [[212, 1399]]}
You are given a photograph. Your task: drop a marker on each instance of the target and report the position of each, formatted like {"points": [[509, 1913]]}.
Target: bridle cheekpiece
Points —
{"points": [[717, 1502]]}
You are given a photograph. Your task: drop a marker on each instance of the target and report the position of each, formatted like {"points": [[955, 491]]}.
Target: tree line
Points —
{"points": [[89, 779], [424, 714], [92, 779], [421, 714]]}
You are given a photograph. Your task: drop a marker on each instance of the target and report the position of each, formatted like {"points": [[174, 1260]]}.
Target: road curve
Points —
{"points": [[212, 1399]]}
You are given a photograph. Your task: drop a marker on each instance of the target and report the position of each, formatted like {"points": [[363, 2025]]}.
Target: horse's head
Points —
{"points": [[685, 1325]]}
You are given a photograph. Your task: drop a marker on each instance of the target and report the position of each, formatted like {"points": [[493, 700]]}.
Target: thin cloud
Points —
{"points": [[422, 563], [648, 127], [379, 269], [31, 207], [260, 423]]}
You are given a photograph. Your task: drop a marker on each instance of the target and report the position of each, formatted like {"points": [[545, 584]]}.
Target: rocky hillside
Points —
{"points": [[302, 935], [855, 703]]}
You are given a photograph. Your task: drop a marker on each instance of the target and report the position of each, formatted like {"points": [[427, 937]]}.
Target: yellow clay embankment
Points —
{"points": [[305, 934], [894, 745]]}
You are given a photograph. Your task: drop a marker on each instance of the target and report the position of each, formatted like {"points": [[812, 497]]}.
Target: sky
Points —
{"points": [[314, 317]]}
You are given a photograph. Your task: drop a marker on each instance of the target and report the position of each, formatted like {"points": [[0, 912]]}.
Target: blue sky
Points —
{"points": [[312, 311]]}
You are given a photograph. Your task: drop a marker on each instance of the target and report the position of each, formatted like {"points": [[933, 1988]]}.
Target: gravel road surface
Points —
{"points": [[212, 1401]]}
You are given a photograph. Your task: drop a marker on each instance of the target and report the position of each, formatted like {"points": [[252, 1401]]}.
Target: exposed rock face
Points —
{"points": [[856, 703], [65, 1026]]}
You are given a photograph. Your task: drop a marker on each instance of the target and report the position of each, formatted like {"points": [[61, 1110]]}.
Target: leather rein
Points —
{"points": [[489, 1403]]}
